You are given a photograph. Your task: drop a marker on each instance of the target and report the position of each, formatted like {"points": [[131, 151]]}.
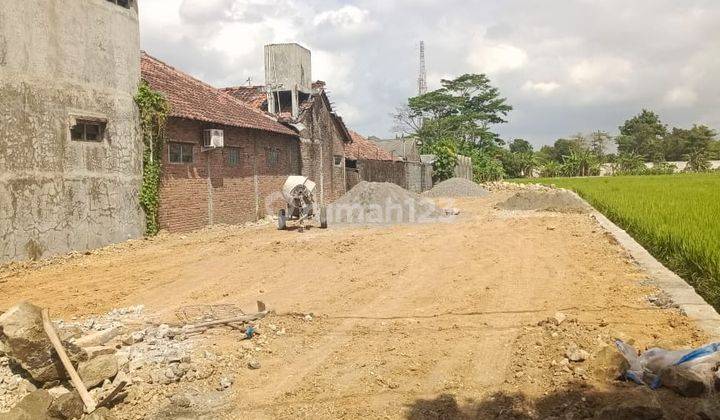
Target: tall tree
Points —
{"points": [[698, 145], [464, 109], [520, 146], [642, 135], [598, 143]]}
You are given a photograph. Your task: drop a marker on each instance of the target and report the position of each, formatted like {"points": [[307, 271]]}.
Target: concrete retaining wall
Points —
{"points": [[60, 61]]}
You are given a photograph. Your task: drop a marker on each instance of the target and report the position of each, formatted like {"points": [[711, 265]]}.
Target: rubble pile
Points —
{"points": [[119, 347], [455, 188], [381, 203], [560, 201], [503, 186]]}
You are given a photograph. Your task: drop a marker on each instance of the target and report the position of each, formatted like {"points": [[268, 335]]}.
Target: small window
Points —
{"points": [[273, 157], [338, 160], [180, 153], [87, 131], [233, 156]]}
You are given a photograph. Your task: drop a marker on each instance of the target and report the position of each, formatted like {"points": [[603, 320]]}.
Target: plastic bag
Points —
{"points": [[646, 368]]}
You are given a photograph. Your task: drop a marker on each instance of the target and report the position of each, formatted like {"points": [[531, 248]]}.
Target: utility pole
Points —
{"points": [[422, 78]]}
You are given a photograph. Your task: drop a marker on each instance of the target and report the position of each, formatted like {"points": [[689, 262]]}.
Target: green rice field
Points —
{"points": [[675, 217]]}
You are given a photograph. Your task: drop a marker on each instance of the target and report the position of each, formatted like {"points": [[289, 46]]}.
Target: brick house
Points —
{"points": [[232, 184], [296, 101]]}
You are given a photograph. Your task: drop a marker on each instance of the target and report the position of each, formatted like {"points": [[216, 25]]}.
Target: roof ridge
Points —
{"points": [[209, 86]]}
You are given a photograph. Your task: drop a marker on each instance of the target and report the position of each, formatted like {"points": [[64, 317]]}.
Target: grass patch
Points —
{"points": [[675, 217]]}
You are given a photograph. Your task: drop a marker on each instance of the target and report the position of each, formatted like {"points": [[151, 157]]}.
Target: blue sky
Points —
{"points": [[566, 66]]}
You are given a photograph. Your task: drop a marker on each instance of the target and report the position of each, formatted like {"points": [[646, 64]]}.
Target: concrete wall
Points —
{"points": [[289, 65], [321, 141], [463, 168], [210, 191], [412, 176], [59, 60], [608, 169]]}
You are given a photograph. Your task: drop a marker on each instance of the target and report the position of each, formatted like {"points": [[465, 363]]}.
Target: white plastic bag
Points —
{"points": [[646, 368]]}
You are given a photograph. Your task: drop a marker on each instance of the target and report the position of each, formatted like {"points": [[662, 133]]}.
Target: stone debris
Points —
{"points": [[226, 382], [25, 341], [576, 354], [503, 186], [456, 188], [683, 381], [254, 364], [96, 370], [66, 406]]}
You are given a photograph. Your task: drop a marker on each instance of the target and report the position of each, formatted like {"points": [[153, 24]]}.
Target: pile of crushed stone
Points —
{"points": [[381, 203], [561, 201], [456, 187]]}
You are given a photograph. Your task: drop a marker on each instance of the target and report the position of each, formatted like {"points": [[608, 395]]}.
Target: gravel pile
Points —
{"points": [[456, 187], [561, 201], [501, 186], [374, 203]]}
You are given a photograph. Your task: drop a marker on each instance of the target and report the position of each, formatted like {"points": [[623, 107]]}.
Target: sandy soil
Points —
{"points": [[422, 321]]}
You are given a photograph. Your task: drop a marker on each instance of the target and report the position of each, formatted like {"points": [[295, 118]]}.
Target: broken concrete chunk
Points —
{"points": [[683, 381], [94, 371], [67, 407], [33, 406], [98, 338], [25, 341], [559, 318], [95, 351], [576, 354]]}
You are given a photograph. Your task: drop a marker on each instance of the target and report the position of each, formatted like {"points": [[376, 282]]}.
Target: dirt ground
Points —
{"points": [[418, 321]]}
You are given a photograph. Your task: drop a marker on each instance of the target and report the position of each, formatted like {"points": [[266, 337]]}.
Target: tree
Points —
{"points": [[445, 152], [565, 147], [598, 143], [520, 146], [629, 164], [580, 163], [698, 146], [463, 109], [642, 135]]}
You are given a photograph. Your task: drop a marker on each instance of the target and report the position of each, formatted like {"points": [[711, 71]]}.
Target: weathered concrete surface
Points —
{"points": [[60, 60]]}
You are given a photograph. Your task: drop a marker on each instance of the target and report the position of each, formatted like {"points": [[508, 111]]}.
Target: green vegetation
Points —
{"points": [[458, 119], [675, 217], [154, 109]]}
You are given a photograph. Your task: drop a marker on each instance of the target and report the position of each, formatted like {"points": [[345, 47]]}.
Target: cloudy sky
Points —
{"points": [[566, 66]]}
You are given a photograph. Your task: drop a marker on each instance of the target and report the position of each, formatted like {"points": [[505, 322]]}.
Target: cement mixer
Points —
{"points": [[299, 194]]}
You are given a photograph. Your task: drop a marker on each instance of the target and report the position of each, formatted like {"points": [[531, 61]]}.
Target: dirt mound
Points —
{"points": [[456, 187], [375, 203], [561, 201]]}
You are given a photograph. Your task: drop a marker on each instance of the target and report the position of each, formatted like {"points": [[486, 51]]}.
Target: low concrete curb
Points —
{"points": [[679, 291]]}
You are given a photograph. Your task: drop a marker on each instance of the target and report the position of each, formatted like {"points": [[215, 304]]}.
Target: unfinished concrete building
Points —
{"points": [[70, 150], [294, 99]]}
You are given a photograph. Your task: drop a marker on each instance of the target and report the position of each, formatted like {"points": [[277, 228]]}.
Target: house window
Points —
{"points": [[180, 152], [123, 3], [338, 160], [87, 131], [273, 157], [233, 156]]}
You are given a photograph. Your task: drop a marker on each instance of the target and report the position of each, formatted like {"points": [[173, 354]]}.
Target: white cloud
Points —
{"points": [[346, 17], [681, 96], [493, 58], [543, 88], [600, 71]]}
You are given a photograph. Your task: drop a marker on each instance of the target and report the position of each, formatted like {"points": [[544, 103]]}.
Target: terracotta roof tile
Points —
{"points": [[362, 148], [254, 96], [192, 99]]}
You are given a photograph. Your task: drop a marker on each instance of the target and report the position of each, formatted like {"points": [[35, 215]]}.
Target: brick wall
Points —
{"points": [[413, 176], [322, 141], [209, 190]]}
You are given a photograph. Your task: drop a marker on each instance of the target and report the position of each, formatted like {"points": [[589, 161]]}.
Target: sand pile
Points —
{"points": [[561, 201], [374, 203], [456, 187]]}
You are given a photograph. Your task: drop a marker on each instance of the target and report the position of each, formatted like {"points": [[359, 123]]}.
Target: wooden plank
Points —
{"points": [[74, 377]]}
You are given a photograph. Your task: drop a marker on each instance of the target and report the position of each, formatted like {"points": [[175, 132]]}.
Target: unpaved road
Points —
{"points": [[421, 321]]}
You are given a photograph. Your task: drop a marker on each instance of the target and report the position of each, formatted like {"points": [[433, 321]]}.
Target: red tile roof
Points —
{"points": [[192, 99], [254, 96], [362, 148]]}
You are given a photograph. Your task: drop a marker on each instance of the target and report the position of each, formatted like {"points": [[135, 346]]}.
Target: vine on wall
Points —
{"points": [[154, 109]]}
